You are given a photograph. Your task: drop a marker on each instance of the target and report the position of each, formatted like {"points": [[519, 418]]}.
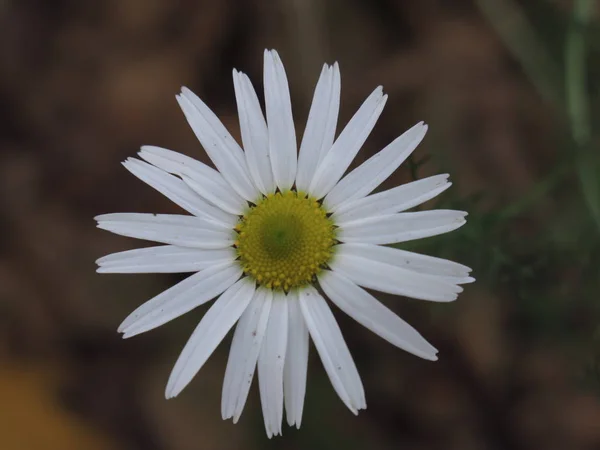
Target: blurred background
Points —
{"points": [[511, 92]]}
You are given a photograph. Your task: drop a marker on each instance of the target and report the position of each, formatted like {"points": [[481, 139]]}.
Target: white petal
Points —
{"points": [[212, 194], [177, 191], [164, 259], [186, 231], [369, 312], [391, 201], [415, 262], [332, 349], [211, 330], [204, 180], [255, 135], [180, 299], [374, 171], [172, 219], [282, 135], [401, 227], [394, 280], [320, 127], [243, 355], [270, 365], [296, 363], [220, 146], [347, 145]]}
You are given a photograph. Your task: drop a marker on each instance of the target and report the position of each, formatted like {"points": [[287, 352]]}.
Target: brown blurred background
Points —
{"points": [[512, 94]]}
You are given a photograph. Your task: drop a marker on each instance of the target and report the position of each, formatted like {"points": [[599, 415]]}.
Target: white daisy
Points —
{"points": [[273, 231]]}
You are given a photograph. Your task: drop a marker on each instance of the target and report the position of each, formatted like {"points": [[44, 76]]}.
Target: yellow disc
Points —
{"points": [[285, 240]]}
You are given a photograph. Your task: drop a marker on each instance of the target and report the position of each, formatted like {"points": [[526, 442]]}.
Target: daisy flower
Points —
{"points": [[273, 232]]}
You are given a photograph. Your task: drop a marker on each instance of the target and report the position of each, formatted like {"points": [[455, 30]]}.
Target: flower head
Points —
{"points": [[273, 231]]}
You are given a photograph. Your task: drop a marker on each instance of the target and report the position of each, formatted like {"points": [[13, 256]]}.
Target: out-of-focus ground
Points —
{"points": [[513, 112]]}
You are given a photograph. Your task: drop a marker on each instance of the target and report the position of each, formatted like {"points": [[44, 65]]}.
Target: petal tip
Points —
{"points": [[172, 390], [431, 356]]}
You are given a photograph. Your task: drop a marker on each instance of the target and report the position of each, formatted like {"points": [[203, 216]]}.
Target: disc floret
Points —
{"points": [[285, 240]]}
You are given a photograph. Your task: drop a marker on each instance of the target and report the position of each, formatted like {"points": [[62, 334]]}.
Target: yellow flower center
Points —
{"points": [[285, 240]]}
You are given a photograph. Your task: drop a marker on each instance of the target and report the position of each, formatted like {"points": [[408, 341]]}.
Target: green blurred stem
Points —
{"points": [[578, 108], [511, 24], [575, 72]]}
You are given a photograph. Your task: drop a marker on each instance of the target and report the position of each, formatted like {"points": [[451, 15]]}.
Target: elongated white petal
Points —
{"points": [[243, 354], [164, 259], [177, 191], [220, 146], [347, 145], [204, 180], [369, 312], [320, 127], [179, 299], [255, 135], [211, 330], [401, 227], [270, 365], [167, 219], [282, 134], [415, 262], [215, 196], [296, 363], [332, 348], [185, 231], [392, 201], [375, 170], [394, 280]]}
